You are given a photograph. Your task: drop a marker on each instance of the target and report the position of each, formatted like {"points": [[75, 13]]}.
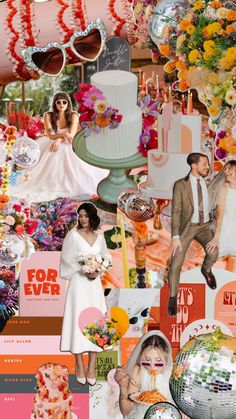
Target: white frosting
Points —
{"points": [[178, 135], [120, 91]]}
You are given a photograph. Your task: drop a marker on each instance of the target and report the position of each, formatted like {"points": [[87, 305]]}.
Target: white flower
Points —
{"points": [[230, 96], [100, 106], [222, 12], [210, 12]]}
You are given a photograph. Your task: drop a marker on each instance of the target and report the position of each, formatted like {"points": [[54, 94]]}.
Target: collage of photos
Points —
{"points": [[118, 209]]}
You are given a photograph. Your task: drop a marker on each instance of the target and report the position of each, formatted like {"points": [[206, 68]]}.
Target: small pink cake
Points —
{"points": [[53, 400]]}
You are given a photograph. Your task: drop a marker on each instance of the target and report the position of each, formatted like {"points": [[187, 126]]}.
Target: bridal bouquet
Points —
{"points": [[102, 333], [94, 263]]}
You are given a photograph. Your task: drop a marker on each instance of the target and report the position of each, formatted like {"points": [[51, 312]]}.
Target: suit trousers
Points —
{"points": [[202, 234]]}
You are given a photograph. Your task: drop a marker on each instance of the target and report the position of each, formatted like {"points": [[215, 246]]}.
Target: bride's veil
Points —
{"points": [[134, 358], [214, 191]]}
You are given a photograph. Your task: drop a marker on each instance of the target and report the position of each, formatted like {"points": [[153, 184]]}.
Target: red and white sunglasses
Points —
{"points": [[51, 59]]}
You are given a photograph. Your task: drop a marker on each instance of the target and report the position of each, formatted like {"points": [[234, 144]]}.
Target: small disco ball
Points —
{"points": [[12, 250], [166, 17], [139, 209], [203, 380], [25, 152], [122, 199], [163, 410]]}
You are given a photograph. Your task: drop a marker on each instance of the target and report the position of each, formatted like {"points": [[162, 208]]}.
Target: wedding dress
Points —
{"points": [[227, 239], [58, 174], [82, 292]]}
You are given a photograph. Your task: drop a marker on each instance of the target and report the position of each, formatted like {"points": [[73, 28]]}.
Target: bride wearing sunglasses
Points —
{"points": [[149, 368], [59, 172]]}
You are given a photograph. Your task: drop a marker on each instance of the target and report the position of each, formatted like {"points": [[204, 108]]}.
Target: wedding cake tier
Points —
{"points": [[53, 399], [178, 135], [120, 91]]}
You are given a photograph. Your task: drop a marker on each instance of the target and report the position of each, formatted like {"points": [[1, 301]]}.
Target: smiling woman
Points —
{"points": [[59, 172], [85, 288]]}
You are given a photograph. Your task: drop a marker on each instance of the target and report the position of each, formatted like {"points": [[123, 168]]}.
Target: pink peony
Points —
{"points": [[10, 220]]}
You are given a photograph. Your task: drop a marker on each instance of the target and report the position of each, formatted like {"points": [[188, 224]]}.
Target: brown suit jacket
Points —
{"points": [[182, 207]]}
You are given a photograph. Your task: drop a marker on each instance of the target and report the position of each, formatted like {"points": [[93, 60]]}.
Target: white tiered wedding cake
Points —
{"points": [[178, 135], [120, 91]]}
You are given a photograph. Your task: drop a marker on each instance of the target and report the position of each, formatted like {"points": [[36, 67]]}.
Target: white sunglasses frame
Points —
{"points": [[28, 52]]}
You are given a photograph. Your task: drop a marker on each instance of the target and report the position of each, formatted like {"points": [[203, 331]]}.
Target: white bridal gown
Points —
{"points": [[227, 240], [82, 292], [58, 174]]}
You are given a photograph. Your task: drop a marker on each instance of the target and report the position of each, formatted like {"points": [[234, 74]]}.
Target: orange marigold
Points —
{"points": [[216, 4], [165, 50], [102, 121], [140, 228], [184, 24], [231, 15], [230, 29], [183, 85], [10, 130], [180, 65], [183, 74], [169, 67]]}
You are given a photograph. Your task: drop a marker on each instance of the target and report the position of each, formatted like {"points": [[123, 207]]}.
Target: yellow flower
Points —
{"points": [[208, 44], [190, 29], [208, 54], [214, 28], [226, 64], [213, 110], [198, 5], [193, 55], [216, 101], [180, 65], [180, 40], [231, 54], [213, 78]]}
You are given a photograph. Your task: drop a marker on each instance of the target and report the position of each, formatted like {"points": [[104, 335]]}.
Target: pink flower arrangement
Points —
{"points": [[17, 219], [96, 113]]}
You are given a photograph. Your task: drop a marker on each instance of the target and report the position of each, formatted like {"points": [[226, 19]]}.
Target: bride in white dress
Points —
{"points": [[149, 368], [224, 188], [84, 290], [59, 172]]}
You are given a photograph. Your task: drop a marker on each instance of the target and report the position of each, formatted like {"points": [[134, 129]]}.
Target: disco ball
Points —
{"points": [[25, 152], [138, 208], [12, 250], [122, 199], [164, 20], [203, 380], [163, 410]]}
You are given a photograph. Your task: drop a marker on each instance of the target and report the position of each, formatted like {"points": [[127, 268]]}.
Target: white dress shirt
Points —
{"points": [[195, 217]]}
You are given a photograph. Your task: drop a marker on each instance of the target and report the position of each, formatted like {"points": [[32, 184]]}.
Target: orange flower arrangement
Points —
{"points": [[140, 228], [102, 121], [4, 199]]}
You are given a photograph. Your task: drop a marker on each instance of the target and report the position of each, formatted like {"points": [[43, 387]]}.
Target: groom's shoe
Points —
{"points": [[172, 306], [210, 278]]}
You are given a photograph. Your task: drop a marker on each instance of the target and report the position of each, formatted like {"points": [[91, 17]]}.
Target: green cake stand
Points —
{"points": [[117, 181]]}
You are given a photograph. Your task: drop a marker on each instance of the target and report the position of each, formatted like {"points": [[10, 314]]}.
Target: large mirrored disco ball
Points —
{"points": [[164, 20], [12, 250], [203, 380], [163, 410], [25, 152], [138, 208]]}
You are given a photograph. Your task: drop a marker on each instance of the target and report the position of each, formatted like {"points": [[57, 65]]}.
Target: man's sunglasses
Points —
{"points": [[61, 102], [144, 313], [51, 59]]}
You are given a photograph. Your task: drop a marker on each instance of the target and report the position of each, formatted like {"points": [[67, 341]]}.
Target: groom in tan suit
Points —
{"points": [[190, 221]]}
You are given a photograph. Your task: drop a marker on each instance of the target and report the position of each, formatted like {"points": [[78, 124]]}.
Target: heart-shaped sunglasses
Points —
{"points": [[51, 59]]}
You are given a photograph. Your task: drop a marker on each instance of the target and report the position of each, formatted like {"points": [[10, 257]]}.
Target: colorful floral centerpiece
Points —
{"points": [[204, 53], [9, 292], [96, 113], [102, 333]]}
